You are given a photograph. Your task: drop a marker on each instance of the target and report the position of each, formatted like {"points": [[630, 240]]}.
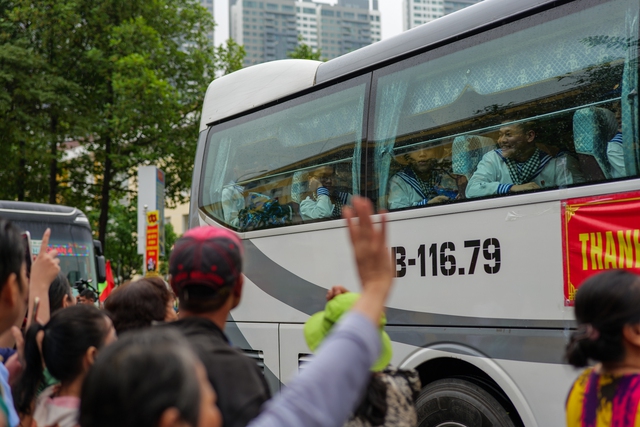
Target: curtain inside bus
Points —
{"points": [[545, 67], [257, 168]]}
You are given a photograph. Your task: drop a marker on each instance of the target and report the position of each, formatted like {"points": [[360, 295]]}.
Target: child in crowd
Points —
{"points": [[68, 345], [607, 308]]}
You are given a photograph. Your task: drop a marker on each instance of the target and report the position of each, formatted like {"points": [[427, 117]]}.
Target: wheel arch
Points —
{"points": [[446, 360]]}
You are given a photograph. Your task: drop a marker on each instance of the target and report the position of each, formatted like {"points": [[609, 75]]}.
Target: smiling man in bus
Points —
{"points": [[518, 165]]}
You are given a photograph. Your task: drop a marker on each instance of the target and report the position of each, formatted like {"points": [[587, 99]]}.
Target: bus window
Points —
{"points": [[297, 162], [532, 106]]}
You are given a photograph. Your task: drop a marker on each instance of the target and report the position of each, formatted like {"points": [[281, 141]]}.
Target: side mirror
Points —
{"points": [[101, 265]]}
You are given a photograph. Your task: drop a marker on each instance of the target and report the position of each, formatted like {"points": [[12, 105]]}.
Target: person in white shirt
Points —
{"points": [[323, 201], [518, 165], [615, 152], [421, 182]]}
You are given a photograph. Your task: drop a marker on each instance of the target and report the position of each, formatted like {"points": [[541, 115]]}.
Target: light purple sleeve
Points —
{"points": [[329, 388]]}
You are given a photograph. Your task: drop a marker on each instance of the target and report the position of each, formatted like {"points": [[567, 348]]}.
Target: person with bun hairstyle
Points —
{"points": [[70, 342], [607, 309]]}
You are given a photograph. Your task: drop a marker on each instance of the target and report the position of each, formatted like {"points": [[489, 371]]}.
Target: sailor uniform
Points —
{"points": [[496, 174]]}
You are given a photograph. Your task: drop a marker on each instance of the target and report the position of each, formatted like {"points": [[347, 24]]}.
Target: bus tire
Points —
{"points": [[456, 402]]}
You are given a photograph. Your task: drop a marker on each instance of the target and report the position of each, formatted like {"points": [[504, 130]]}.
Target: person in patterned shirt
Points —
{"points": [[607, 309]]}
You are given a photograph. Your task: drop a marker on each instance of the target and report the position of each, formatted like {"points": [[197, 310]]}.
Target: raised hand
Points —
{"points": [[43, 271], [373, 259], [335, 291]]}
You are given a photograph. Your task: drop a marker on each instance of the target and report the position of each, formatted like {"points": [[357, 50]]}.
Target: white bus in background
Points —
{"points": [[482, 301]]}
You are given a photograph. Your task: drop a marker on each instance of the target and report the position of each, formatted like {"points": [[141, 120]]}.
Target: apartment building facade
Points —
{"points": [[271, 29], [418, 12]]}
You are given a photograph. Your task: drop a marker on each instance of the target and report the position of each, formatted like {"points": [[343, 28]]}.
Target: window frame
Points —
{"points": [[450, 47], [293, 101]]}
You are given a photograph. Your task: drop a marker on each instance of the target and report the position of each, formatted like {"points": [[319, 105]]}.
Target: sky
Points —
{"points": [[390, 11]]}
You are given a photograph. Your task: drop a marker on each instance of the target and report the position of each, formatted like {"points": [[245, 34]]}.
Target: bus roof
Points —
{"points": [[434, 33], [254, 86], [54, 213], [261, 84]]}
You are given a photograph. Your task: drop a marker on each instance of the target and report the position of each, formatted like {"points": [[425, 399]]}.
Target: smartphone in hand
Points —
{"points": [[28, 249]]}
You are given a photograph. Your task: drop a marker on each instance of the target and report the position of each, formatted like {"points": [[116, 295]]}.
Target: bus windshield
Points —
{"points": [[74, 244]]}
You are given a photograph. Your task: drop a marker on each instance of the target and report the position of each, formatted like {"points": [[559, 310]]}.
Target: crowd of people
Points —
{"points": [[134, 363]]}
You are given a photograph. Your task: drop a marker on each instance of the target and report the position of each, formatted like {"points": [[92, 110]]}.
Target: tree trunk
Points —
{"points": [[104, 194], [22, 170], [53, 166]]}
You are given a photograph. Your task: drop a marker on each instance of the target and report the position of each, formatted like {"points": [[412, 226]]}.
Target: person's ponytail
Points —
{"points": [[24, 392]]}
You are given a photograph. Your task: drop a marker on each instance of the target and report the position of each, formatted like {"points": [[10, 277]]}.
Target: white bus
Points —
{"points": [[485, 273]]}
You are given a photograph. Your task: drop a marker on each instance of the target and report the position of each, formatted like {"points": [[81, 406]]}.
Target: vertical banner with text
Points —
{"points": [[599, 233], [152, 252]]}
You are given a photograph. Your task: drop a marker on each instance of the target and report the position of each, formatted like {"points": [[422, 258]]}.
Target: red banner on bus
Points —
{"points": [[599, 233]]}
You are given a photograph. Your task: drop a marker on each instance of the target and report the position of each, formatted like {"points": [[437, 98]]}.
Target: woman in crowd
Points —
{"points": [[140, 303], [68, 345], [60, 293], [607, 308], [151, 377]]}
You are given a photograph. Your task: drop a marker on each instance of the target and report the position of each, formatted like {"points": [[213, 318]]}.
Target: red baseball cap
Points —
{"points": [[206, 256]]}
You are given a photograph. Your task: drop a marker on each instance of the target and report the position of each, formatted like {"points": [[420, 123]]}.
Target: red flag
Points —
{"points": [[110, 283]]}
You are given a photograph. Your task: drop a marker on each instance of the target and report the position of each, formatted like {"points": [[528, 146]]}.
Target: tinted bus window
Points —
{"points": [[297, 162], [544, 102]]}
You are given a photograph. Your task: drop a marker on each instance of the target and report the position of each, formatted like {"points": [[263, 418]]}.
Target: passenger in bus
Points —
{"points": [[232, 202], [421, 182], [615, 153], [518, 165], [323, 201]]}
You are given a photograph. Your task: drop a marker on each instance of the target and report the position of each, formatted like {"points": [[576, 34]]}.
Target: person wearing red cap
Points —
{"points": [[206, 276]]}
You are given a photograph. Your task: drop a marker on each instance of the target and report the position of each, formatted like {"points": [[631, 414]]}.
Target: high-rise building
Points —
{"points": [[347, 26], [208, 4], [418, 12], [267, 29], [270, 29]]}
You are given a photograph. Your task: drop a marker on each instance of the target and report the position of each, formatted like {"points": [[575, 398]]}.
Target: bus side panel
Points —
{"points": [[260, 342], [293, 351], [515, 279]]}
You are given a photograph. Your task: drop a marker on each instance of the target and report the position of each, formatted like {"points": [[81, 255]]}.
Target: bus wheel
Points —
{"points": [[453, 402]]}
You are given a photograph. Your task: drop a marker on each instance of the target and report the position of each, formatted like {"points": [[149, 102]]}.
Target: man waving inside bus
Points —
{"points": [[518, 165]]}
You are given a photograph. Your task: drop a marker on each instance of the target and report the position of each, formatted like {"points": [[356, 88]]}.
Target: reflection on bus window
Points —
{"points": [[564, 74], [293, 163]]}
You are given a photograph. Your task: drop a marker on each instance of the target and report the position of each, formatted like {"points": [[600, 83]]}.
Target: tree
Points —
{"points": [[121, 241], [170, 238], [121, 81], [304, 51], [229, 57], [39, 105]]}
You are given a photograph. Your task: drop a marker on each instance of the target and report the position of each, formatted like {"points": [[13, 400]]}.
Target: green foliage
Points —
{"points": [[170, 238], [121, 82], [304, 51], [121, 241], [229, 57]]}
